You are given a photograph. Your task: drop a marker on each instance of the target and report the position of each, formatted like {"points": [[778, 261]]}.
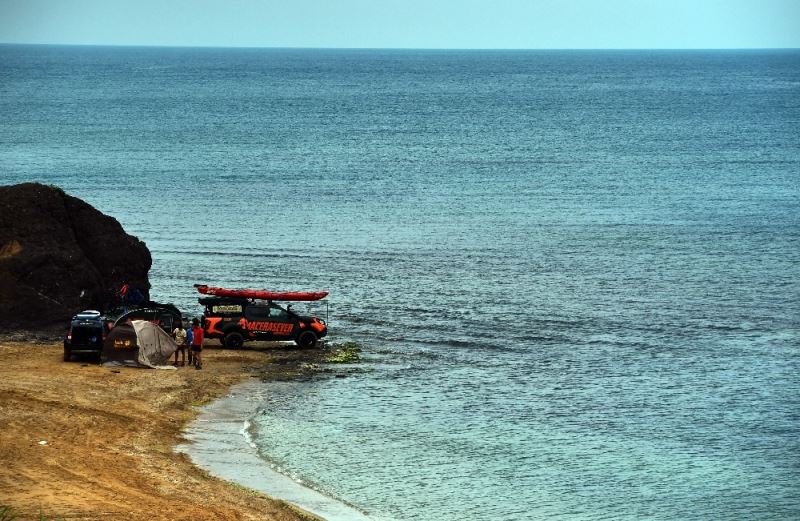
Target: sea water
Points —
{"points": [[573, 274]]}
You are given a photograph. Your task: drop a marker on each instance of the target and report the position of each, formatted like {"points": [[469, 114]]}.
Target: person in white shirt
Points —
{"points": [[179, 334]]}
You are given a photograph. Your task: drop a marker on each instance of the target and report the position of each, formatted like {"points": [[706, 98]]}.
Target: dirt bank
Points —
{"points": [[80, 441]]}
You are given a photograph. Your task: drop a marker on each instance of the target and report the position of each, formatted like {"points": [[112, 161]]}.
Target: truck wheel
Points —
{"points": [[306, 339], [67, 354], [234, 340]]}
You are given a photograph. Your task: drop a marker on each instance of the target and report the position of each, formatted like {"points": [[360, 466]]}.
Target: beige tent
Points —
{"points": [[138, 344]]}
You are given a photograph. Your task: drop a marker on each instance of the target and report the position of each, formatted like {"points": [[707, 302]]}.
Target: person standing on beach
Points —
{"points": [[179, 334], [189, 336], [197, 343]]}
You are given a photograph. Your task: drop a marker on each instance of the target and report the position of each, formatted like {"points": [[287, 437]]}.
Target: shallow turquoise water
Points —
{"points": [[574, 275]]}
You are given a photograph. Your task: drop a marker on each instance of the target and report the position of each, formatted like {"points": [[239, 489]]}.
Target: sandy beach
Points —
{"points": [[81, 441]]}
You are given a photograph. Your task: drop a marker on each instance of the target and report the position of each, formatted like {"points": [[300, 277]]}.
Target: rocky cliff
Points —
{"points": [[59, 255]]}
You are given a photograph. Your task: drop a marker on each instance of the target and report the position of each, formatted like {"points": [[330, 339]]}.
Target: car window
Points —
{"points": [[276, 312], [257, 313], [166, 321]]}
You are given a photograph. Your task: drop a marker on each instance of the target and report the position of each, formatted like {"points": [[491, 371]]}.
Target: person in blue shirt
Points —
{"points": [[189, 336]]}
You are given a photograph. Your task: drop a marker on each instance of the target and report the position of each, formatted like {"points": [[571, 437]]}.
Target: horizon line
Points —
{"points": [[267, 47]]}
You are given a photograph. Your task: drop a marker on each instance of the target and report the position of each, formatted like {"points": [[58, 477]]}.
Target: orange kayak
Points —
{"points": [[261, 293]]}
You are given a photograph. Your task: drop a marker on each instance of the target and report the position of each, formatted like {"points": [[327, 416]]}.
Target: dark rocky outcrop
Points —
{"points": [[59, 255]]}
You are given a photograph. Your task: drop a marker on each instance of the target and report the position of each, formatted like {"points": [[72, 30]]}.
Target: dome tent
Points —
{"points": [[138, 344]]}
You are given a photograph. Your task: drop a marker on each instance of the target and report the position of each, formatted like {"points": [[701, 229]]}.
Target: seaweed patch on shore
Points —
{"points": [[294, 364], [347, 353]]}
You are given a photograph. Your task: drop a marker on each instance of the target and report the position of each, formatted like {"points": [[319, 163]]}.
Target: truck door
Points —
{"points": [[269, 321], [258, 323]]}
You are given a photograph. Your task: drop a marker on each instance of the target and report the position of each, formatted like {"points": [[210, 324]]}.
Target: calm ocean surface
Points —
{"points": [[575, 276]]}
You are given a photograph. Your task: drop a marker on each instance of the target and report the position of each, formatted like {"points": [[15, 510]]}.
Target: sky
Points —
{"points": [[425, 24]]}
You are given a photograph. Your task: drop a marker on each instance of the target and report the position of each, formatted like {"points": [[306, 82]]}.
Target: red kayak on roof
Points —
{"points": [[261, 293]]}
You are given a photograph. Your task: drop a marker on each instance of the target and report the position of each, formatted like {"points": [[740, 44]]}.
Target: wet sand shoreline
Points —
{"points": [[81, 441], [218, 443]]}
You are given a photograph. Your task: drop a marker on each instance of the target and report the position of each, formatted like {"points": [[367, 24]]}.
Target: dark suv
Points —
{"points": [[237, 320], [87, 330]]}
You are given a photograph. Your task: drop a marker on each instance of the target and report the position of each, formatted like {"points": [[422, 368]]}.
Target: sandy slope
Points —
{"points": [[110, 435]]}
